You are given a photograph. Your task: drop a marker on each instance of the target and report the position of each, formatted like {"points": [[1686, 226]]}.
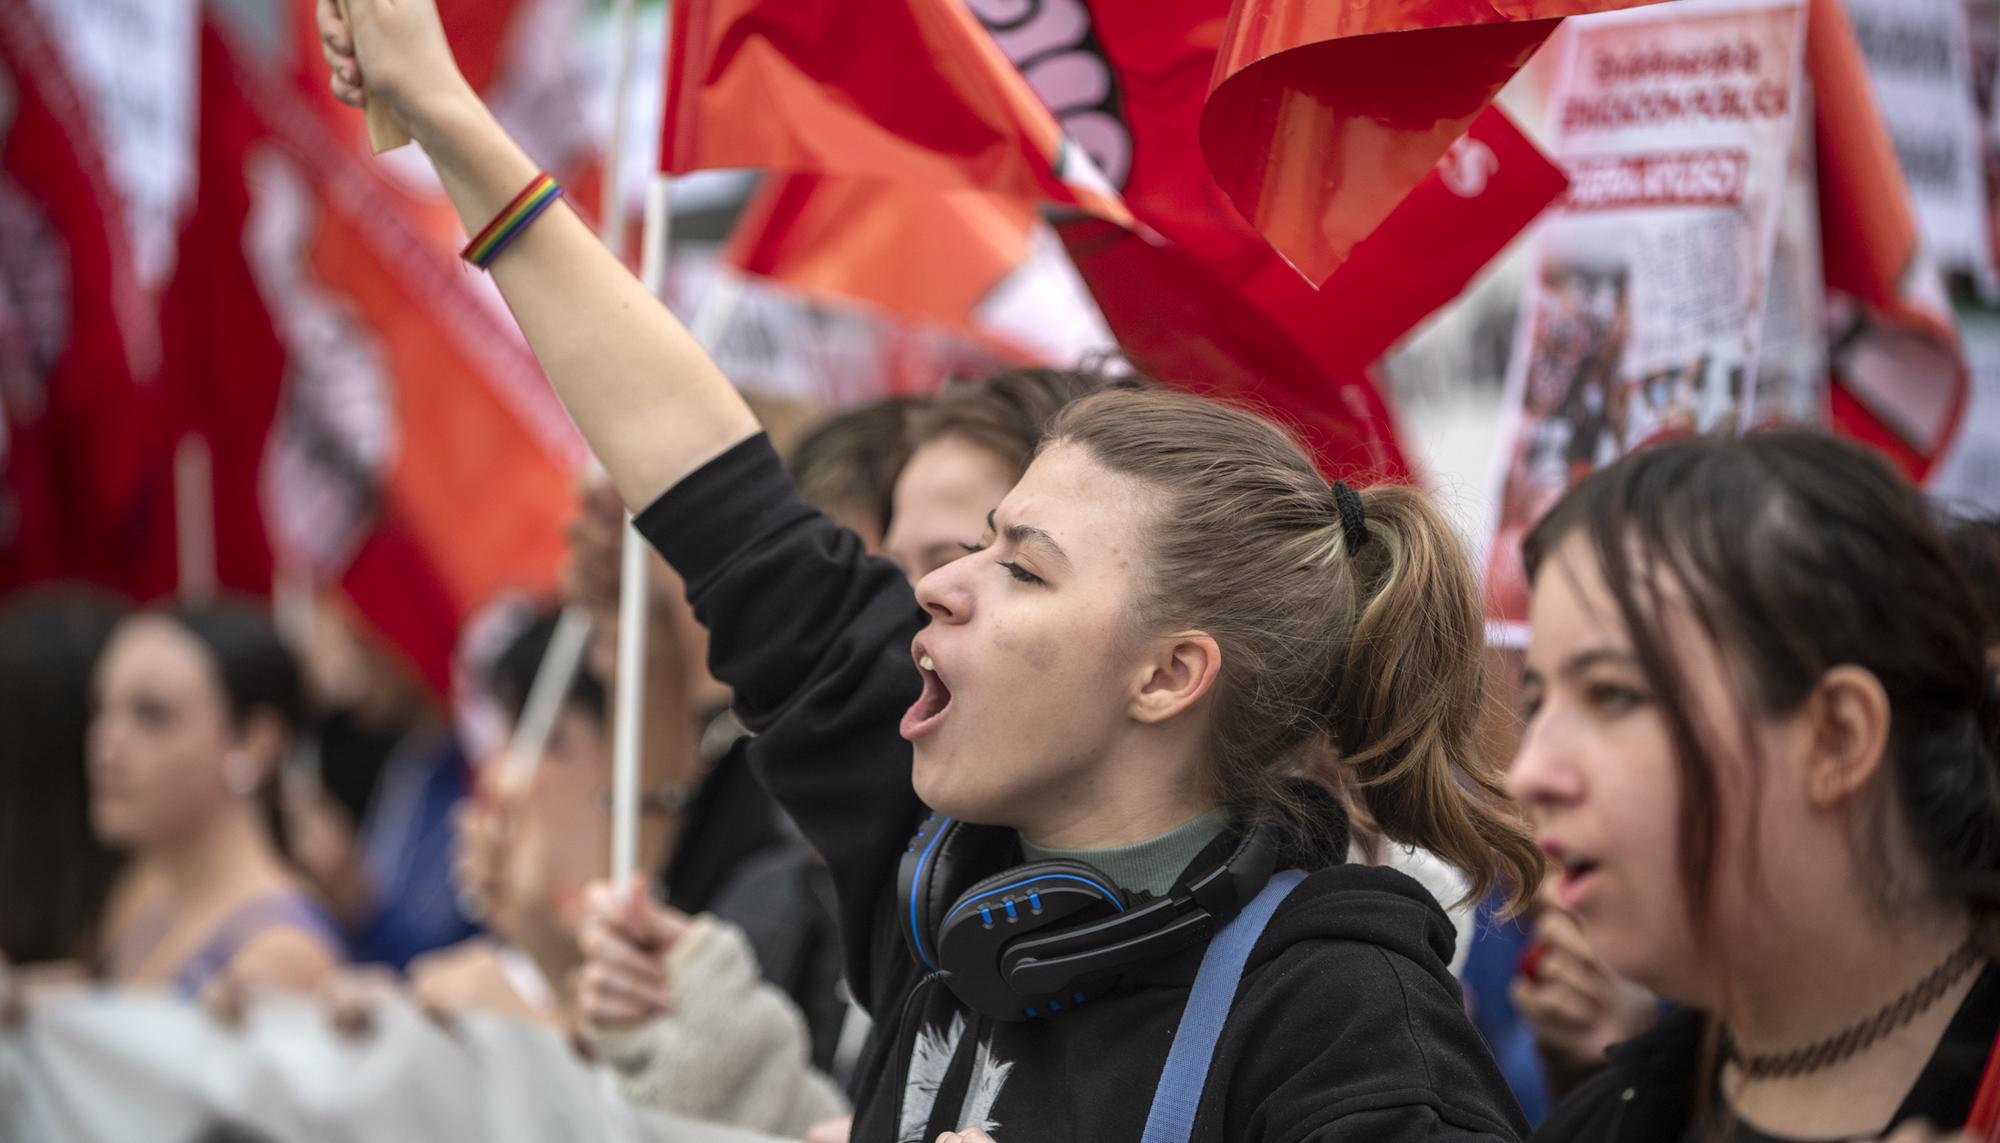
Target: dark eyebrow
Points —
{"points": [[1022, 535], [1583, 661]]}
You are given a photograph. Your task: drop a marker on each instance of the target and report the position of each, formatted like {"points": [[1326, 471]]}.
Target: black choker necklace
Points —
{"points": [[1856, 1037]]}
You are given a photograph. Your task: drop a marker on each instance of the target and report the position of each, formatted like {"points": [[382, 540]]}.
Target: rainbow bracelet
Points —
{"points": [[511, 221]]}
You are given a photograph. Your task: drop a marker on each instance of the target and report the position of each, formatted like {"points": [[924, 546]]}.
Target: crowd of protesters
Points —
{"points": [[983, 729]]}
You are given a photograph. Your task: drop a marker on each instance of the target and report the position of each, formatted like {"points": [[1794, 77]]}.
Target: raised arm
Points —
{"points": [[648, 399]]}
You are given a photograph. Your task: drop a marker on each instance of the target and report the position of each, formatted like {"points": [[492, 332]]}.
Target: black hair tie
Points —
{"points": [[1353, 520]]}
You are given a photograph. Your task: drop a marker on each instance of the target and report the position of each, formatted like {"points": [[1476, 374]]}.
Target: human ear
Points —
{"points": [[1178, 671], [262, 738], [1849, 734]]}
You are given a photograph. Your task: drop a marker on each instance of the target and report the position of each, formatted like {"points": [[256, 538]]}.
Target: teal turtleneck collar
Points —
{"points": [[1150, 866]]}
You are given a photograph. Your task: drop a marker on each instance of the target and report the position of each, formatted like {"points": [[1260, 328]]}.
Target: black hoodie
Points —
{"points": [[1347, 1025]]}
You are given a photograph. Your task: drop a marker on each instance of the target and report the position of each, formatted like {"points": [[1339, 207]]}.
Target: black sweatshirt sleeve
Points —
{"points": [[813, 635]]}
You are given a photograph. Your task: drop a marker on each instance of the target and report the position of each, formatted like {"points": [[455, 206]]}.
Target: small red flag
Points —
{"points": [[916, 254], [908, 91]]}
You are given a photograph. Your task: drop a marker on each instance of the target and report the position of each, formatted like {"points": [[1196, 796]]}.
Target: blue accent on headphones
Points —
{"points": [[916, 933], [1035, 899], [1081, 932]]}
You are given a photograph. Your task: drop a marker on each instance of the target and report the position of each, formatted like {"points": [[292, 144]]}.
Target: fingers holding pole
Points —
{"points": [[385, 131]]}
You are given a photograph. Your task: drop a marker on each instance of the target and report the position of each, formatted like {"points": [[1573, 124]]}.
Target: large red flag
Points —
{"points": [[1128, 79], [1324, 117], [908, 91], [83, 447], [375, 420]]}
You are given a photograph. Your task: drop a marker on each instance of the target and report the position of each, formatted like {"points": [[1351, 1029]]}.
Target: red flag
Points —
{"points": [[918, 254], [361, 397], [1324, 117], [1900, 378], [1128, 80], [909, 91], [83, 451], [1179, 321]]}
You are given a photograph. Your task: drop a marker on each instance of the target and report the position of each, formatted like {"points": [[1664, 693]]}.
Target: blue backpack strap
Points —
{"points": [[1174, 1101]]}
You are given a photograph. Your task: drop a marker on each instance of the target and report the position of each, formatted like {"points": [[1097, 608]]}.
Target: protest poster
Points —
{"points": [[1646, 303]]}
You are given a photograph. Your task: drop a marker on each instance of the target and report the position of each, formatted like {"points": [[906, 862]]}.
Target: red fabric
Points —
{"points": [[83, 446], [1324, 117], [1311, 351], [322, 314], [913, 253], [1983, 1123], [842, 86], [1900, 377], [1465, 210], [1182, 323]]}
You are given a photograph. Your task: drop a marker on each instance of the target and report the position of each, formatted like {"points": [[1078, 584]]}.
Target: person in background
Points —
{"points": [[967, 445], [1577, 1006], [55, 875], [733, 852], [195, 709], [847, 464], [374, 830], [529, 881], [1766, 775]]}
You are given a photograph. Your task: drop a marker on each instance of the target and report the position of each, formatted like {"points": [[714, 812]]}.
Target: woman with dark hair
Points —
{"points": [[1761, 752], [55, 876], [196, 708]]}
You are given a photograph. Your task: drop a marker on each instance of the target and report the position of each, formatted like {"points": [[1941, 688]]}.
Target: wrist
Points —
{"points": [[440, 117]]}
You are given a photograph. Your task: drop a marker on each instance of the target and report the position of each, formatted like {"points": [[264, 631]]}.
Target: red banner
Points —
{"points": [[375, 420], [84, 447], [1324, 117]]}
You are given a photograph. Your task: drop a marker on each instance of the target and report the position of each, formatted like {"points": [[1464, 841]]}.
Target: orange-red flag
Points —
{"points": [[1323, 117], [907, 91], [914, 253], [356, 389]]}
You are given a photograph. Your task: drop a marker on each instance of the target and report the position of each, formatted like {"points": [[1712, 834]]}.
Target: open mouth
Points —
{"points": [[1573, 879], [930, 707]]}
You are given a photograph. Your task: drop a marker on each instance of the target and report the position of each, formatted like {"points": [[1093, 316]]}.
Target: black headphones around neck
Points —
{"points": [[1037, 939]]}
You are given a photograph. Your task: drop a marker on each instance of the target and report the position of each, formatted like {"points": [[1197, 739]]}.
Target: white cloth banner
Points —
{"points": [[115, 1067]]}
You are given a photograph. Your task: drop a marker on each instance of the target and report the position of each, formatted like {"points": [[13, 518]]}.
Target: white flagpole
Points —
{"points": [[554, 677], [564, 655], [628, 703]]}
